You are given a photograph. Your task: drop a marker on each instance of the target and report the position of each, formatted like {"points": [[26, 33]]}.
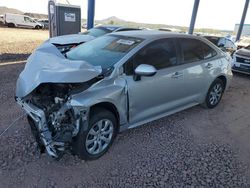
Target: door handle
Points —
{"points": [[209, 65], [177, 75]]}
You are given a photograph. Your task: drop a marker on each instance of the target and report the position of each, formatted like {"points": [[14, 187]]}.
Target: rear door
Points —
{"points": [[197, 64]]}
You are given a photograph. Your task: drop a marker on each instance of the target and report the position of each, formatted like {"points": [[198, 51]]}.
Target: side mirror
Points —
{"points": [[144, 70]]}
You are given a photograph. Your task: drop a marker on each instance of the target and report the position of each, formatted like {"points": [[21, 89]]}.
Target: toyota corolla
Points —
{"points": [[80, 100]]}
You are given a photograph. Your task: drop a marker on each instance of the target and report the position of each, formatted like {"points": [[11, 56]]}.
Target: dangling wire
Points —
{"points": [[12, 124]]}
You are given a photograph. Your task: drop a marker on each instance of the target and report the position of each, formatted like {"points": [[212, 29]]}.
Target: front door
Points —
{"points": [[155, 95]]}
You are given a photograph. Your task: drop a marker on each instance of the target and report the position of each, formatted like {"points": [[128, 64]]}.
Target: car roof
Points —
{"points": [[153, 34]]}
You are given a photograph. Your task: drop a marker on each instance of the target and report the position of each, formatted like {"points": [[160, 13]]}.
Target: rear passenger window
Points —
{"points": [[208, 51], [191, 50], [194, 50]]}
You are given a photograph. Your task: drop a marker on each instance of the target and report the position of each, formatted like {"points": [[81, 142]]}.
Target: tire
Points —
{"points": [[37, 27], [214, 94], [99, 118], [11, 25]]}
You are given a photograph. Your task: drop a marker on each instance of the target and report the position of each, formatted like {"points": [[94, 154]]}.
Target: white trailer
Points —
{"points": [[23, 21]]}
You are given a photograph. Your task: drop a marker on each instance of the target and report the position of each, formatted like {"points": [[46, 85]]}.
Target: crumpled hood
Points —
{"points": [[48, 65], [70, 39], [243, 52]]}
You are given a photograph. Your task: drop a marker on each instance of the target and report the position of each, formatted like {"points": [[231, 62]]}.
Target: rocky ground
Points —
{"points": [[193, 148]]}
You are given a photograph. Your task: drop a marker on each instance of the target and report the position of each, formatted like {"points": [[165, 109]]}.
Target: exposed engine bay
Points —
{"points": [[65, 48], [54, 122]]}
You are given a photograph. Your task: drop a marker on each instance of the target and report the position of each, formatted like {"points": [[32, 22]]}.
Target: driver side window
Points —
{"points": [[160, 54]]}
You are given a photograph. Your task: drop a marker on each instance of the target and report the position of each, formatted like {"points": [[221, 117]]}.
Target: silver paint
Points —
{"points": [[137, 102]]}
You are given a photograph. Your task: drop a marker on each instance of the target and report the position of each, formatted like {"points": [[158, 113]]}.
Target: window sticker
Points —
{"points": [[125, 42]]}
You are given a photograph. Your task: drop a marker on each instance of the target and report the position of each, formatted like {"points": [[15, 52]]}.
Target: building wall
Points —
{"points": [[245, 31]]}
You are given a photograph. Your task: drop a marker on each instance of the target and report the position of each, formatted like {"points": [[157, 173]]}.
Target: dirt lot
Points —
{"points": [[17, 44], [196, 147], [193, 148]]}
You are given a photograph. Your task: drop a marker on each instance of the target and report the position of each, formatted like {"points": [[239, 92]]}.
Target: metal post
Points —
{"points": [[193, 18], [91, 14], [52, 18], [242, 20]]}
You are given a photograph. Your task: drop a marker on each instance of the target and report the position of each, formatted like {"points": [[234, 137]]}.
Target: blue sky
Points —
{"points": [[218, 14]]}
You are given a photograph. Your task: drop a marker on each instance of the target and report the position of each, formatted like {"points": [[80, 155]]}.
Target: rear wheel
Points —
{"points": [[11, 25], [98, 137], [37, 27], [214, 93]]}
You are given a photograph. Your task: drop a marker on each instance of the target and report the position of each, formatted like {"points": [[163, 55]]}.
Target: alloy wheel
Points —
{"points": [[215, 94], [99, 136]]}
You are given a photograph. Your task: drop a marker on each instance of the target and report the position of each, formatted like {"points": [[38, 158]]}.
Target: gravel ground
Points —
{"points": [[193, 148]]}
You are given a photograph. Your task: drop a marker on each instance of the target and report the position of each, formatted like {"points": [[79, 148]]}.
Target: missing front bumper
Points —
{"points": [[39, 120]]}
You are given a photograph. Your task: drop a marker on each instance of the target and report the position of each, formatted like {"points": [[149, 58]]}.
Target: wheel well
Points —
{"points": [[224, 80], [108, 106]]}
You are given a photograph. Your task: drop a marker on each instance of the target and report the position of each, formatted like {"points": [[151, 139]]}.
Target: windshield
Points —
{"points": [[104, 51], [97, 32]]}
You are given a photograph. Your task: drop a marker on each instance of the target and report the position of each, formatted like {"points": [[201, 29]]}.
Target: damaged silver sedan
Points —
{"points": [[80, 100]]}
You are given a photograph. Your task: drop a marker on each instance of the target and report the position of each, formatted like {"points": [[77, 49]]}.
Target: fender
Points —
{"points": [[115, 94]]}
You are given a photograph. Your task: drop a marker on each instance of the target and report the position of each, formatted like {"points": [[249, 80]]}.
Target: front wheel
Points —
{"points": [[94, 142], [214, 94]]}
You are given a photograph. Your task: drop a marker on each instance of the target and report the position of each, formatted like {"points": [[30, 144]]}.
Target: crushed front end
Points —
{"points": [[44, 89], [54, 122]]}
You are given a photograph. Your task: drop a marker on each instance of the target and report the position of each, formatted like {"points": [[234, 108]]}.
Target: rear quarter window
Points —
{"points": [[191, 50], [194, 50], [208, 51]]}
